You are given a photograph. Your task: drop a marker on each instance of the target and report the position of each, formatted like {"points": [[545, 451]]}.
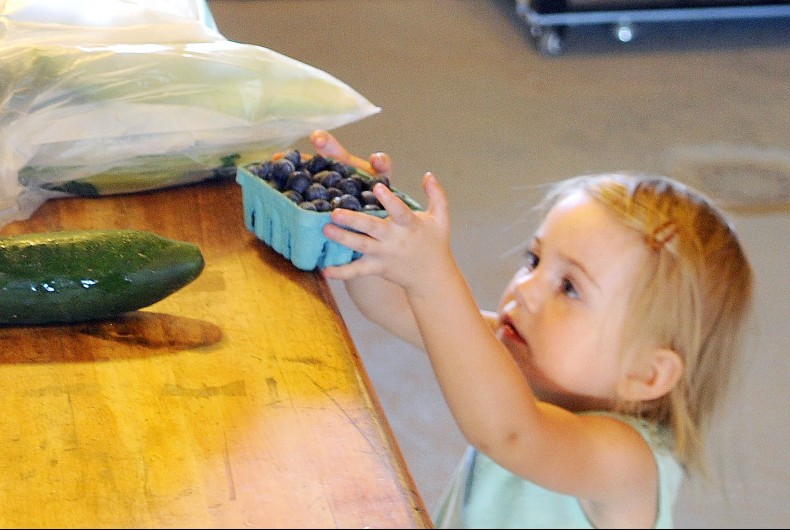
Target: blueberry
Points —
{"points": [[294, 196], [348, 186], [316, 191], [322, 205], [382, 179], [372, 208], [295, 157], [307, 205], [361, 183], [262, 170], [317, 164], [341, 168], [298, 181], [368, 198], [328, 178], [333, 193], [348, 202], [280, 170]]}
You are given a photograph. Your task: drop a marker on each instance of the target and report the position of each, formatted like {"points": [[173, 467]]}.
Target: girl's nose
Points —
{"points": [[531, 291]]}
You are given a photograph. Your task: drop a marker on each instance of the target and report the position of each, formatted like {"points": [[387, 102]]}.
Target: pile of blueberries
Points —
{"points": [[318, 183]]}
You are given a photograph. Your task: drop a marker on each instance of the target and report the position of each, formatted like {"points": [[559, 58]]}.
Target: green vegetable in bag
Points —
{"points": [[97, 119]]}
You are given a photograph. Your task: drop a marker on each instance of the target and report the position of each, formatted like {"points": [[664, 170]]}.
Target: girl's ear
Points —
{"points": [[655, 376]]}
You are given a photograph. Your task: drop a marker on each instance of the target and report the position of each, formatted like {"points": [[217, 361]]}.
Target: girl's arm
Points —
{"points": [[385, 304], [411, 250], [601, 460], [379, 300]]}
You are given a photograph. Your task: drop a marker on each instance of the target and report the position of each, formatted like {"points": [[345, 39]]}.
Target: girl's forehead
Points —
{"points": [[579, 212], [580, 229], [576, 206]]}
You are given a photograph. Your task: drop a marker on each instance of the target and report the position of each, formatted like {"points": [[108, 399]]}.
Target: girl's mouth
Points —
{"points": [[509, 331]]}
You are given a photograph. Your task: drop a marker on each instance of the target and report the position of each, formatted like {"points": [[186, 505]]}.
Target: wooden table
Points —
{"points": [[238, 401]]}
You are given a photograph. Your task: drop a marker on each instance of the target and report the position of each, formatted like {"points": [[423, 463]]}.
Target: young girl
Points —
{"points": [[586, 395]]}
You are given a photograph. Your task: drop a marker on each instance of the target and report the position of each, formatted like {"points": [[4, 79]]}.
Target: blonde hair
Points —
{"points": [[693, 296]]}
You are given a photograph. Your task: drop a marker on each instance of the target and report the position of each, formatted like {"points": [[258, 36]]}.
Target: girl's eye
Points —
{"points": [[531, 260], [569, 289]]}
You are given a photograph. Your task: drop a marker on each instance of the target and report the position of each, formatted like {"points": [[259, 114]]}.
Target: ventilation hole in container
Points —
{"points": [[323, 252], [268, 229]]}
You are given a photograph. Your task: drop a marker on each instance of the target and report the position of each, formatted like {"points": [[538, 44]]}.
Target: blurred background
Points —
{"points": [[465, 93]]}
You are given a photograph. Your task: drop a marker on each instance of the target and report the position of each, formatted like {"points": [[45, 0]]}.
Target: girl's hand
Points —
{"points": [[368, 291], [408, 248], [327, 145]]}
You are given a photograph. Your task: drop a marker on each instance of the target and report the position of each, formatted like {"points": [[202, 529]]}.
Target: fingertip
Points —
{"points": [[379, 190], [339, 218], [435, 191], [381, 163], [318, 138]]}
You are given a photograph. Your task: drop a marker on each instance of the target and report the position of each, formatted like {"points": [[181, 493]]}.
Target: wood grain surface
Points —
{"points": [[238, 401]]}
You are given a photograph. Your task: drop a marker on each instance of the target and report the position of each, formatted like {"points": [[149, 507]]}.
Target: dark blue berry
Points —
{"points": [[316, 191], [368, 198], [333, 193], [361, 183], [341, 168], [382, 179], [280, 170], [328, 178], [347, 185], [261, 170], [294, 196], [295, 157], [307, 205], [322, 205], [316, 164], [298, 181], [348, 202]]}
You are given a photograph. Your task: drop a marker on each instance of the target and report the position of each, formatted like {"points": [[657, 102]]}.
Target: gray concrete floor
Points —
{"points": [[464, 94]]}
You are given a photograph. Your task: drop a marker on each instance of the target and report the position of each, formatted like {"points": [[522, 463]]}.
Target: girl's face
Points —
{"points": [[562, 315]]}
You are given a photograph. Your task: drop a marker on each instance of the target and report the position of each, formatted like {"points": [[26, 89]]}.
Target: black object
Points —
{"points": [[548, 19]]}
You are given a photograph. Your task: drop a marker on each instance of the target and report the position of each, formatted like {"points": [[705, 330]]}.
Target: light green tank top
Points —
{"points": [[482, 494]]}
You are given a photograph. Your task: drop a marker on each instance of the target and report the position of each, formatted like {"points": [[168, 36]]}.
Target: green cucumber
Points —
{"points": [[82, 275]]}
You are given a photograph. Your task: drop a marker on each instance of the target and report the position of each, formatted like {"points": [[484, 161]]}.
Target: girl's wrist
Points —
{"points": [[445, 277]]}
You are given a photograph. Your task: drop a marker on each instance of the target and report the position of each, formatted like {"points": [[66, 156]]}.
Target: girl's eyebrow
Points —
{"points": [[570, 261], [585, 272]]}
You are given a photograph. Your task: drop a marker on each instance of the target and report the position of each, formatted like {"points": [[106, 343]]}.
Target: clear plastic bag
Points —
{"points": [[118, 96]]}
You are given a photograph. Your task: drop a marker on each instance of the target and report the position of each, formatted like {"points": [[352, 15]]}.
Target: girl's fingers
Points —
{"points": [[361, 222], [348, 271], [437, 198], [381, 164], [327, 145], [396, 208], [350, 240], [355, 238]]}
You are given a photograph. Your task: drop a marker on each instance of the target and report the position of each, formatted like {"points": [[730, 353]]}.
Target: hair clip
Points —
{"points": [[661, 235]]}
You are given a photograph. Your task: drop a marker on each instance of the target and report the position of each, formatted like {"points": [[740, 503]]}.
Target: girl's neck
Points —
{"points": [[577, 403]]}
